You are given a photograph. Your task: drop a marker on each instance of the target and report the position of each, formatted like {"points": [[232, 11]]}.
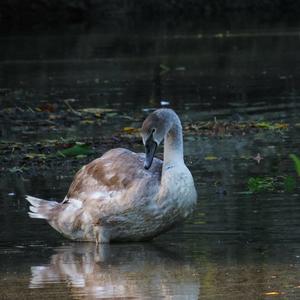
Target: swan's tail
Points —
{"points": [[41, 209]]}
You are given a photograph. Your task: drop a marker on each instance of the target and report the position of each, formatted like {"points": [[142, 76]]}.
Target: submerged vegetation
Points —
{"points": [[271, 184], [296, 160], [286, 183]]}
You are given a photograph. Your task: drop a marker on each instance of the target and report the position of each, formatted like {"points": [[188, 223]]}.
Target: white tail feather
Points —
{"points": [[36, 216], [36, 202], [33, 209], [39, 208]]}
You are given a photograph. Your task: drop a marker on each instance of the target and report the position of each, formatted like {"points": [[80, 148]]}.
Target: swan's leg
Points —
{"points": [[101, 234]]}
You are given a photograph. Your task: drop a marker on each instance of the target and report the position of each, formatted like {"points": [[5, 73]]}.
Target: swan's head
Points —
{"points": [[153, 131]]}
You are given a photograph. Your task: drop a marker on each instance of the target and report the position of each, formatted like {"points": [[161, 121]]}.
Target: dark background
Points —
{"points": [[134, 15]]}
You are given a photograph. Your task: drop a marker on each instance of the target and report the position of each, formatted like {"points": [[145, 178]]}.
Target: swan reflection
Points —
{"points": [[105, 271]]}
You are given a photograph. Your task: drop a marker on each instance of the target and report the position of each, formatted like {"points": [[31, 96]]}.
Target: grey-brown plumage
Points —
{"points": [[125, 196]]}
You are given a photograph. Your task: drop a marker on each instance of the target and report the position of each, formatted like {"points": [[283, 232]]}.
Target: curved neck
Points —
{"points": [[173, 148]]}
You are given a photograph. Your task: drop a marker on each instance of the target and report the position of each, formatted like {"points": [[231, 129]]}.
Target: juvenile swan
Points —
{"points": [[127, 196]]}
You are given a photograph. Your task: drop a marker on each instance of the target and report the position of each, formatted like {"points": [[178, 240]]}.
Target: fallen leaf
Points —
{"points": [[96, 110], [87, 122], [35, 155], [264, 125], [274, 293], [78, 149], [130, 130], [112, 114], [81, 156], [46, 107], [15, 170], [281, 126], [244, 193], [210, 157]]}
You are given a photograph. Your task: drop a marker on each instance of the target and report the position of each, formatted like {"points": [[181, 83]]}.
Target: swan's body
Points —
{"points": [[118, 197]]}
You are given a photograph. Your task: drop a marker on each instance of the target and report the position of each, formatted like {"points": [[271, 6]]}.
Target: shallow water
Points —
{"points": [[237, 245]]}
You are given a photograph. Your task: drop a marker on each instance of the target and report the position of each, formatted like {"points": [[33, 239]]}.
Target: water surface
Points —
{"points": [[236, 245]]}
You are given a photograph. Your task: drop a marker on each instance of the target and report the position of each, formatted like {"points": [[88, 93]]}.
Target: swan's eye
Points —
{"points": [[153, 130]]}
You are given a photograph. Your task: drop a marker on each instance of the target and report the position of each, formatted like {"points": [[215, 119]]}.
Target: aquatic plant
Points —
{"points": [[296, 160], [259, 184]]}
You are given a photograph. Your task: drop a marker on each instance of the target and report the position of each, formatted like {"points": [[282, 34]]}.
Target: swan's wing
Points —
{"points": [[118, 174], [110, 190]]}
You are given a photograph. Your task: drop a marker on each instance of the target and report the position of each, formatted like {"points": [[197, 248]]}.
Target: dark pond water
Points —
{"points": [[237, 245]]}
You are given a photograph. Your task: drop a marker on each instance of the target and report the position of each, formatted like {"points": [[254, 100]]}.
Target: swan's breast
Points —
{"points": [[178, 193]]}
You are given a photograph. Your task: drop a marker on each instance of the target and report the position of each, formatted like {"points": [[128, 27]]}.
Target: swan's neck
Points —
{"points": [[173, 148]]}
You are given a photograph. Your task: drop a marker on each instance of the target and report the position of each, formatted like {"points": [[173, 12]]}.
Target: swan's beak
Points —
{"points": [[150, 148]]}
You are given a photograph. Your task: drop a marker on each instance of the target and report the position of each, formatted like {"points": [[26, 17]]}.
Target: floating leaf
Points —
{"points": [[264, 125], [15, 170], [130, 130], [78, 149], [281, 126], [273, 293], [244, 193], [112, 114], [297, 162], [87, 122], [35, 155], [80, 156], [267, 125], [96, 111], [210, 157]]}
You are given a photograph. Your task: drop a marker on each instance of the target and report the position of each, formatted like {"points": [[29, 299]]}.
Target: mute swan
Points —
{"points": [[127, 196]]}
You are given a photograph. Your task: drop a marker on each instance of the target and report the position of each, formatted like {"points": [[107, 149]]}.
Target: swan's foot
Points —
{"points": [[101, 235]]}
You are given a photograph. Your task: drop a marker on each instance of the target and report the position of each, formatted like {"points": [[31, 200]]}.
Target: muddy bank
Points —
{"points": [[62, 138]]}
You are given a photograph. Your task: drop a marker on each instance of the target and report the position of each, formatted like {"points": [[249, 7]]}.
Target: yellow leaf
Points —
{"points": [[130, 129], [96, 110], [210, 157], [281, 126], [87, 121], [273, 293]]}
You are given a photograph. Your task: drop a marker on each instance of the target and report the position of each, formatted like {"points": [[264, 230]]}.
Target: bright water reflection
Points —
{"points": [[136, 271]]}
